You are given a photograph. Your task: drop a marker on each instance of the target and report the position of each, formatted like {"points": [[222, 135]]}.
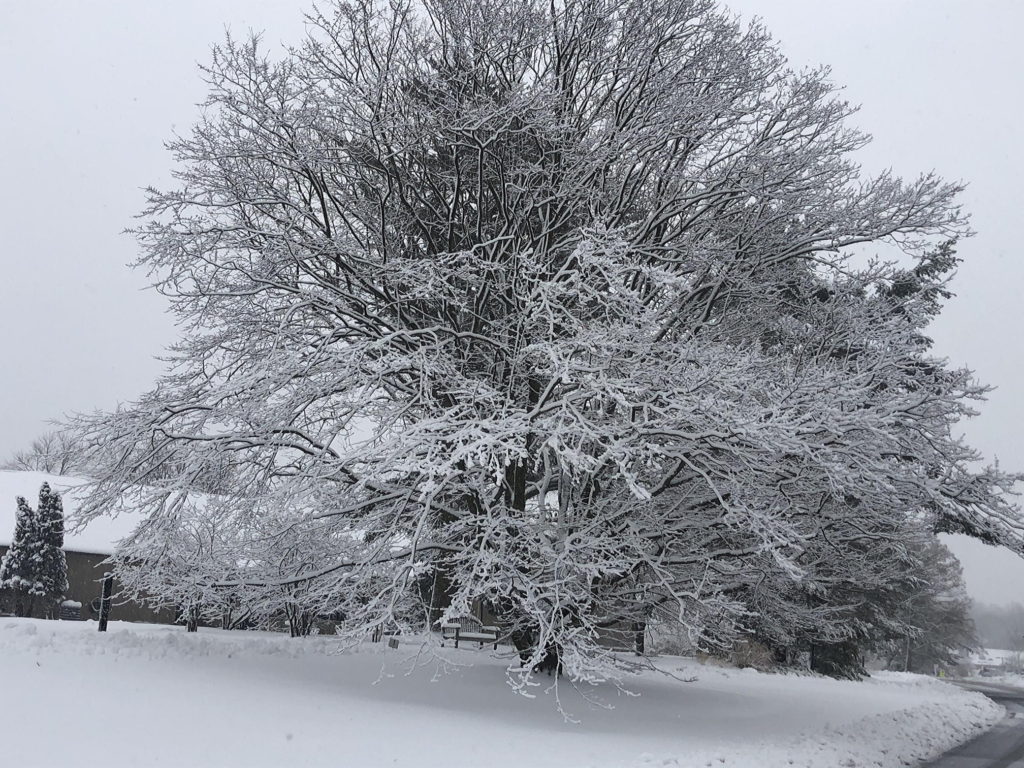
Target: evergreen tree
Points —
{"points": [[53, 566], [35, 568], [937, 609], [15, 569]]}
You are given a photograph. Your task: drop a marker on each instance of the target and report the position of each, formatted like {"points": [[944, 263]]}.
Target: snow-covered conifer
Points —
{"points": [[16, 573], [34, 570], [52, 562]]}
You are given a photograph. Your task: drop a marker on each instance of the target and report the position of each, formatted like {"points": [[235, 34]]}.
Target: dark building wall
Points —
{"points": [[85, 577]]}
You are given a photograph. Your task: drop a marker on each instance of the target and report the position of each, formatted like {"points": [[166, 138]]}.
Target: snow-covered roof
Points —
{"points": [[99, 537]]}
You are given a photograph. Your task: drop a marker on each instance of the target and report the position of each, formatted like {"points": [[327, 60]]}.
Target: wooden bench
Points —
{"points": [[471, 629], [379, 633]]}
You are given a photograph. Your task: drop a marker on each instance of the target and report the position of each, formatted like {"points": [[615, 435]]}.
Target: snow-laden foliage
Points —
{"points": [[552, 306], [34, 569], [937, 607]]}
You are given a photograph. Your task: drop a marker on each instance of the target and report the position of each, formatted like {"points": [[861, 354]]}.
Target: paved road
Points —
{"points": [[1003, 745]]}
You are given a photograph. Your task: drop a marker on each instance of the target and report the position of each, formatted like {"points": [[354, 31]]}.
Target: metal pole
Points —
{"points": [[108, 587]]}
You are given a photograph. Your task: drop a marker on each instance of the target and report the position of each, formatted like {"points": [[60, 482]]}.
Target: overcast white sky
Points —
{"points": [[89, 92]]}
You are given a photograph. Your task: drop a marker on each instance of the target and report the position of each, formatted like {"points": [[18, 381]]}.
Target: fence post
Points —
{"points": [[108, 587]]}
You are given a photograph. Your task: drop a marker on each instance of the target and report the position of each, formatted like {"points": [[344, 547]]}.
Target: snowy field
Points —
{"points": [[155, 696]]}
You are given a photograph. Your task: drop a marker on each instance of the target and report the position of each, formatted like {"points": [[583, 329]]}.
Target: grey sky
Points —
{"points": [[90, 91]]}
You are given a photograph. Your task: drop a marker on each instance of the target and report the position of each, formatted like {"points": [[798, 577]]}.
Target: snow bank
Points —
{"points": [[165, 697], [945, 718]]}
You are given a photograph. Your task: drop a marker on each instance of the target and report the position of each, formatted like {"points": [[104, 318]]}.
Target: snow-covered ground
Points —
{"points": [[145, 695]]}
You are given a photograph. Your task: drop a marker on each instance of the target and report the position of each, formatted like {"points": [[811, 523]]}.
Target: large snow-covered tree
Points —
{"points": [[34, 569], [552, 305]]}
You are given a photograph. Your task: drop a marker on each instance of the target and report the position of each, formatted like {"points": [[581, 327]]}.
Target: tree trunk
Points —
{"points": [[439, 597]]}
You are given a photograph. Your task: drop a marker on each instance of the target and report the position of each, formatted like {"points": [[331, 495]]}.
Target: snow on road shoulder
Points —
{"points": [[950, 717], [919, 718], [259, 699], [945, 717]]}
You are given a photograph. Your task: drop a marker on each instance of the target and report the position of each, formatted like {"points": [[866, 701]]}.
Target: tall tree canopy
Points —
{"points": [[553, 305]]}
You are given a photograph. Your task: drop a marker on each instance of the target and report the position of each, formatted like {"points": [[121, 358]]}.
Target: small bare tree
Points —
{"points": [[56, 452]]}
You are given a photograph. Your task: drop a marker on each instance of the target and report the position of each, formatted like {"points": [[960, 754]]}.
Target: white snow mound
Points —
{"points": [[217, 698]]}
